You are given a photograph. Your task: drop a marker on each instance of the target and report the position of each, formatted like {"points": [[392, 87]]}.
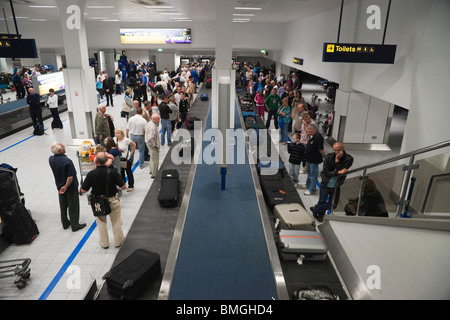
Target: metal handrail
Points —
{"points": [[402, 156], [411, 155]]}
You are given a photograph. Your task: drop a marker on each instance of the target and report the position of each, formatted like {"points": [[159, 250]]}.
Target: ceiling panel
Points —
{"points": [[272, 11]]}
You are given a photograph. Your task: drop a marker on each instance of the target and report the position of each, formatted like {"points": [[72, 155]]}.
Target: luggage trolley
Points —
{"points": [[86, 156], [18, 268]]}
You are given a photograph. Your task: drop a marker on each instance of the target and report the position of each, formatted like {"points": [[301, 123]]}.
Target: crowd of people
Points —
{"points": [[280, 98], [152, 100], [162, 100]]}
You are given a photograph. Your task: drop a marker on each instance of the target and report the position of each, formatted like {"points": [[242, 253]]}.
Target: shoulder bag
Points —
{"points": [[100, 204]]}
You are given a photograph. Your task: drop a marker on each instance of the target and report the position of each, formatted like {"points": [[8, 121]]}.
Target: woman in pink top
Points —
{"points": [[259, 101]]}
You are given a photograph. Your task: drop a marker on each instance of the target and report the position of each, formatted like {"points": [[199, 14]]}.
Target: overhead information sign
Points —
{"points": [[358, 53], [297, 61], [18, 48]]}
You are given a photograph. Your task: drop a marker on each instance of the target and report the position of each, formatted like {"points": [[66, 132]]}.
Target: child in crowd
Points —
{"points": [[296, 151], [259, 101]]}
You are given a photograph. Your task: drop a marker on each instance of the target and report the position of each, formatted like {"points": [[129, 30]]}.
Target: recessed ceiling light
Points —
{"points": [[100, 7], [39, 6], [246, 8], [159, 7], [244, 14], [170, 13]]}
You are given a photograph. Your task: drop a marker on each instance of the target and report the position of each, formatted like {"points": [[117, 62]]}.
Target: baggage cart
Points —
{"points": [[19, 268], [86, 163]]}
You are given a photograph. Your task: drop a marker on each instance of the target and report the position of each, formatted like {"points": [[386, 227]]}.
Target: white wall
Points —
{"points": [[105, 35], [417, 80]]}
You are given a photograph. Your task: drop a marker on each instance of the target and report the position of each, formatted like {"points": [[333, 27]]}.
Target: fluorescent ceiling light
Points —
{"points": [[38, 6], [246, 8], [98, 18], [159, 7], [244, 14], [38, 19], [100, 7], [110, 20], [240, 21], [170, 13], [20, 17], [180, 18]]}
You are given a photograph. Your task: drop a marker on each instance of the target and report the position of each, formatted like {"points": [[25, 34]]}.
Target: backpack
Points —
{"points": [[38, 130]]}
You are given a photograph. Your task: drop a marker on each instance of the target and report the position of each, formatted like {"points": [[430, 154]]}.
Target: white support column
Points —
{"points": [[223, 77], [79, 77]]}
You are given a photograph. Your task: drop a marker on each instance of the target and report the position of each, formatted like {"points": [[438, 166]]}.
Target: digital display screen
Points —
{"points": [[155, 36], [54, 80]]}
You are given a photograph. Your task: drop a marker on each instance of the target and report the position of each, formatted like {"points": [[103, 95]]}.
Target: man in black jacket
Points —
{"points": [[34, 101], [164, 111], [335, 165], [108, 89]]}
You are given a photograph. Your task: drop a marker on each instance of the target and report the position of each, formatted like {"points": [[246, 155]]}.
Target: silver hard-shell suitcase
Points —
{"points": [[292, 216], [302, 245]]}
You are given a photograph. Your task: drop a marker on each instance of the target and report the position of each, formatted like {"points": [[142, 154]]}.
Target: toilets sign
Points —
{"points": [[358, 53]]}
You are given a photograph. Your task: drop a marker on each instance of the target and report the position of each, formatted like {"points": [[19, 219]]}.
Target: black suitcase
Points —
{"points": [[190, 122], [20, 227], [276, 191], [134, 275], [169, 190]]}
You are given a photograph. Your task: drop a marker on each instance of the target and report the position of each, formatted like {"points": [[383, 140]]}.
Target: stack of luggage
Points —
{"points": [[297, 237], [17, 224]]}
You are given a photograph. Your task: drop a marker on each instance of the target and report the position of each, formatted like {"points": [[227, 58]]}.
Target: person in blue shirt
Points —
{"points": [[284, 115], [67, 184], [143, 85]]}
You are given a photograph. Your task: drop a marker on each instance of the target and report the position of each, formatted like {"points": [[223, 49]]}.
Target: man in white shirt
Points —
{"points": [[152, 140], [177, 95], [136, 131]]}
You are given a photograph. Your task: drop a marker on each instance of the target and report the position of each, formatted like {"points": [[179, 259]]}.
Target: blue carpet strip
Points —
{"points": [[223, 254]]}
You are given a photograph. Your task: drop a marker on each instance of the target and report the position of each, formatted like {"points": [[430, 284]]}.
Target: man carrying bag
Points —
{"points": [[105, 201]]}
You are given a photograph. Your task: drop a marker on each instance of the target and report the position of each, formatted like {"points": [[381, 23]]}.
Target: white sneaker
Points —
{"points": [[303, 186], [308, 193]]}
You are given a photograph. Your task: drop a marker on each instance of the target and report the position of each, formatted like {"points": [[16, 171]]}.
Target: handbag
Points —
{"points": [[124, 161], [100, 204], [350, 207]]}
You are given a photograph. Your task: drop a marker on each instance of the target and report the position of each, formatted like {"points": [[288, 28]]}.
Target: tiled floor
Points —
{"points": [[51, 250]]}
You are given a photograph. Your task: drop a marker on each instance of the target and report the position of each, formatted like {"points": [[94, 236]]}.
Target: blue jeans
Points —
{"points": [[140, 145], [326, 199], [284, 132], [312, 169], [166, 130], [294, 169], [270, 114]]}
